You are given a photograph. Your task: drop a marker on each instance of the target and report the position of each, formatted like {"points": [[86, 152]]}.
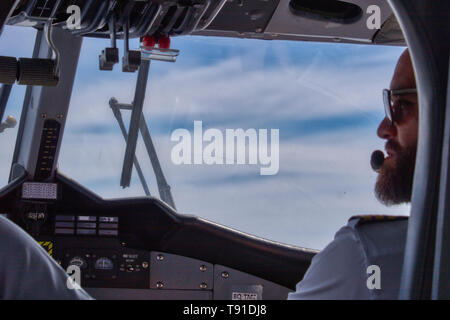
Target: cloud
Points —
{"points": [[222, 90]]}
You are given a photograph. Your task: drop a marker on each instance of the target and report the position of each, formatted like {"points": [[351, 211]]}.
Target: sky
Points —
{"points": [[325, 99]]}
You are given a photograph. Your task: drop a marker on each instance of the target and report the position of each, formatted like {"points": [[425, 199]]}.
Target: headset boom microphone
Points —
{"points": [[376, 160]]}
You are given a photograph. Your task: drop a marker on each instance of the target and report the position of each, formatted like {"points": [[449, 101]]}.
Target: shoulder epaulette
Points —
{"points": [[362, 219]]}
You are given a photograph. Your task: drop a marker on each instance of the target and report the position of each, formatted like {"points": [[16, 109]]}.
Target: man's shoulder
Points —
{"points": [[28, 272], [376, 233], [339, 271], [359, 226], [11, 234]]}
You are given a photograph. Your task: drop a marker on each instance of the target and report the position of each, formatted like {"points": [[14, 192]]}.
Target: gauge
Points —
{"points": [[79, 262], [104, 263]]}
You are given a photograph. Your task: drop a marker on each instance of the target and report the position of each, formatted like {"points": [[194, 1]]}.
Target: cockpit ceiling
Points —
{"points": [[252, 18], [305, 20]]}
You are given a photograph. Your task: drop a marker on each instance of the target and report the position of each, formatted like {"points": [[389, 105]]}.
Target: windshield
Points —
{"points": [[310, 112]]}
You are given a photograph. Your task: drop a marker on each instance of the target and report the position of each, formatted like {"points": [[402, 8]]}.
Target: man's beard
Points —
{"points": [[394, 184]]}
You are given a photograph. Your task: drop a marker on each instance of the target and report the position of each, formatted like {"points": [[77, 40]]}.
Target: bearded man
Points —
{"points": [[364, 261]]}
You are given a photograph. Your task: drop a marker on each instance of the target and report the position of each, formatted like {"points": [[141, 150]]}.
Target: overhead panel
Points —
{"points": [[244, 16], [286, 22]]}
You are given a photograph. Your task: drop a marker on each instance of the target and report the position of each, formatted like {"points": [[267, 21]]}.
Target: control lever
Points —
{"points": [[32, 71], [132, 58], [8, 70], [41, 72], [110, 56]]}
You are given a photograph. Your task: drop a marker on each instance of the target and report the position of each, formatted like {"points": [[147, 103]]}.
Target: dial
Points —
{"points": [[104, 263]]}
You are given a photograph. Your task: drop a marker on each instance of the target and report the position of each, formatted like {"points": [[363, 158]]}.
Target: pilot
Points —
{"points": [[364, 261], [28, 272]]}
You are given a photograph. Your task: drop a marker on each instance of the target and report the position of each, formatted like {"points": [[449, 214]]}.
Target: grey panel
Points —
{"points": [[148, 294], [284, 22], [425, 25], [244, 16], [47, 102], [227, 281], [286, 26], [169, 271], [441, 276]]}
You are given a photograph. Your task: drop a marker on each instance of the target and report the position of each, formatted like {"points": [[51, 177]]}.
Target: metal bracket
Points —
{"points": [[163, 187], [115, 106], [137, 122]]}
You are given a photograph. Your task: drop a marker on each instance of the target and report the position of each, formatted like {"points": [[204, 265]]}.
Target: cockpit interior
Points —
{"points": [[143, 247]]}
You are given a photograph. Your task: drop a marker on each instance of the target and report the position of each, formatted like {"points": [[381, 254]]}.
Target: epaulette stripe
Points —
{"points": [[376, 218]]}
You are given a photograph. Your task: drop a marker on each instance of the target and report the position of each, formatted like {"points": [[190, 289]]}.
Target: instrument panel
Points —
{"points": [[140, 248], [91, 243], [109, 270]]}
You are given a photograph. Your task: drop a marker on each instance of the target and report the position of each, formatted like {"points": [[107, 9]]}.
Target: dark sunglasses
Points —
{"points": [[389, 101]]}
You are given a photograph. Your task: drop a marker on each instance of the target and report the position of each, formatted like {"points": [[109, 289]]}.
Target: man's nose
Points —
{"points": [[386, 129]]}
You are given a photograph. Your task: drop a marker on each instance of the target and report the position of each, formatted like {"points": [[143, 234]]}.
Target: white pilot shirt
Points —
{"points": [[340, 271], [27, 271]]}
